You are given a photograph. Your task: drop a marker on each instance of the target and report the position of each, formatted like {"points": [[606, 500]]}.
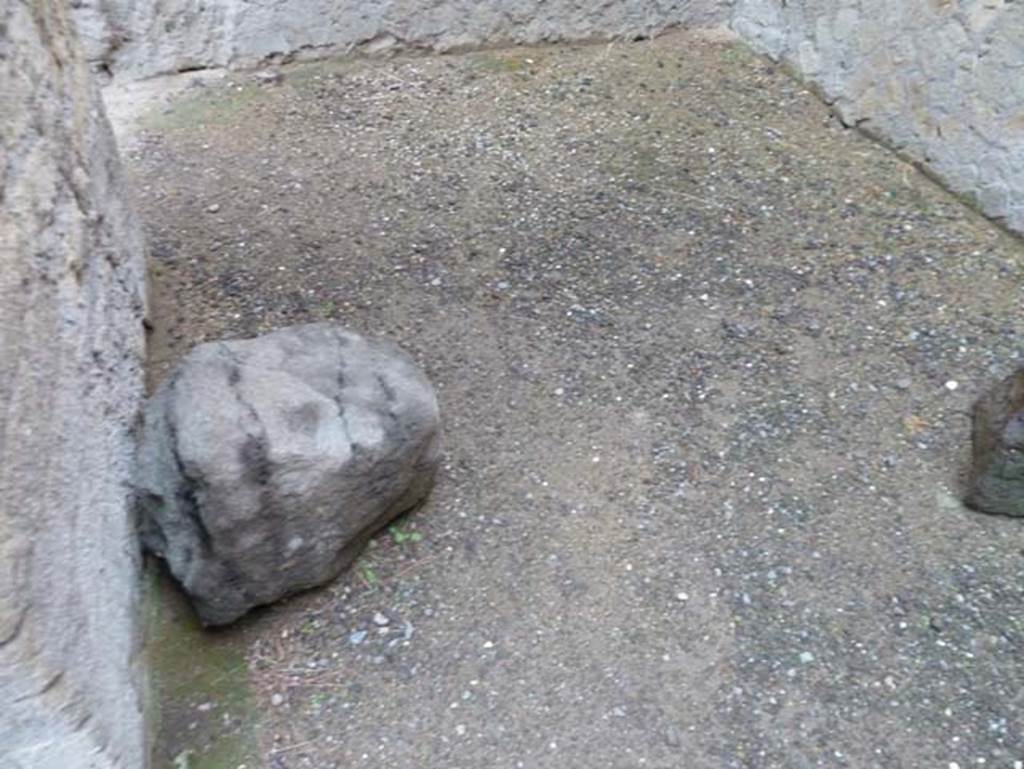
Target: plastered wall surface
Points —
{"points": [[71, 346], [940, 80], [139, 38]]}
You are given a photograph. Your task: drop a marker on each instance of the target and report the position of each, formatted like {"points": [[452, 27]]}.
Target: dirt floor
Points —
{"points": [[705, 361]]}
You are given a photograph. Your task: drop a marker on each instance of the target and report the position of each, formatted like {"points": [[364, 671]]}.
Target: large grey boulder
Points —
{"points": [[266, 464], [997, 470]]}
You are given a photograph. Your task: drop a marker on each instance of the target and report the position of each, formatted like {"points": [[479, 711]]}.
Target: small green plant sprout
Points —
{"points": [[400, 536], [369, 576]]}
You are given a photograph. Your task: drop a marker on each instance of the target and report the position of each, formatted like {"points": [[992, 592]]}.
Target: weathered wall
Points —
{"points": [[941, 80], [71, 342], [138, 38]]}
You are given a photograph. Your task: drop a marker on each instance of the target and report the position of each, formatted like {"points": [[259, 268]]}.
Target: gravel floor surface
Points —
{"points": [[705, 360]]}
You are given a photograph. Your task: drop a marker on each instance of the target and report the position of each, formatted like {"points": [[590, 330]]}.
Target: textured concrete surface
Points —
{"points": [[71, 346], [137, 39], [941, 81], [706, 360]]}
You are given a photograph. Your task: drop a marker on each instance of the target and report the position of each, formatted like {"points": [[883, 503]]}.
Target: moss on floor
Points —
{"points": [[194, 671]]}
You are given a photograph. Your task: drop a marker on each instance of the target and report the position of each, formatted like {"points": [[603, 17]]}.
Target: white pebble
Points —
{"points": [[357, 637], [952, 384]]}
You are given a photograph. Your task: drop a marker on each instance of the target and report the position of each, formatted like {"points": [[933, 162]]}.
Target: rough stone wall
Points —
{"points": [[940, 80], [139, 38], [71, 344]]}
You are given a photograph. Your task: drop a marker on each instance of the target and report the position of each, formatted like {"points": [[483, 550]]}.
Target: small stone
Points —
{"points": [[381, 620], [682, 596], [903, 384], [952, 384], [357, 637], [673, 738], [806, 658], [213, 208], [276, 700], [269, 77]]}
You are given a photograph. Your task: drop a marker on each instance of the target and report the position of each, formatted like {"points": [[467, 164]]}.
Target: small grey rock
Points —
{"points": [[673, 737], [357, 637], [996, 482], [265, 465], [269, 77]]}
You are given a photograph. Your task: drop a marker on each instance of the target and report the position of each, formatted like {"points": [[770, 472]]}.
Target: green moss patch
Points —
{"points": [[201, 710]]}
